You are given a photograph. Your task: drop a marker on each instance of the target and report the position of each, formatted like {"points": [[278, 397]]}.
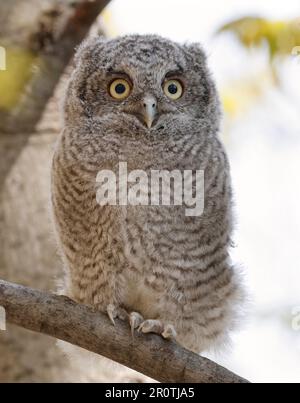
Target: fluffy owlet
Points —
{"points": [[152, 104]]}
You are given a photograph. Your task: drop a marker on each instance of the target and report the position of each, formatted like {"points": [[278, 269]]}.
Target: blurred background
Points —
{"points": [[254, 53]]}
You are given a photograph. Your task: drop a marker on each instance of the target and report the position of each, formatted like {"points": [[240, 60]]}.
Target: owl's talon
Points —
{"points": [[114, 312], [169, 332], [111, 312], [151, 326], [135, 320]]}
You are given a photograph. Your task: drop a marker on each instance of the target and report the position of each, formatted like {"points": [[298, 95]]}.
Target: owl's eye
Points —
{"points": [[120, 89], [173, 89]]}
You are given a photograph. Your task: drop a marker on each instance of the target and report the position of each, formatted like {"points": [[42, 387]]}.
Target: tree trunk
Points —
{"points": [[39, 38]]}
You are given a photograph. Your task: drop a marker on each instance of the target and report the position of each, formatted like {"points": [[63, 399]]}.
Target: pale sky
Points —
{"points": [[192, 20]]}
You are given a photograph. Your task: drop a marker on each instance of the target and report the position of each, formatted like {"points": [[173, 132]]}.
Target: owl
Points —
{"points": [[152, 104]]}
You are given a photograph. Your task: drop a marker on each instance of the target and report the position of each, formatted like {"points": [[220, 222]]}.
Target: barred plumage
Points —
{"points": [[153, 260]]}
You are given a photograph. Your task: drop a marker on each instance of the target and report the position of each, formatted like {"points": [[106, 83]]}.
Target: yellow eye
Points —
{"points": [[120, 89], [173, 89]]}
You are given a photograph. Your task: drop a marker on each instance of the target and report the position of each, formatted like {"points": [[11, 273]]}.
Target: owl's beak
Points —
{"points": [[149, 110]]}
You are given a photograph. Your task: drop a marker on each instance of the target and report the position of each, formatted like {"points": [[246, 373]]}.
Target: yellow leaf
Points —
{"points": [[280, 36], [19, 69]]}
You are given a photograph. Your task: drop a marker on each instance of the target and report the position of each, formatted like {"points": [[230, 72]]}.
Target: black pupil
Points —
{"points": [[120, 89], [173, 89]]}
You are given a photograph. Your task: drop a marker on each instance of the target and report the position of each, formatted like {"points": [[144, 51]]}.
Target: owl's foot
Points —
{"points": [[135, 321], [114, 312], [156, 326]]}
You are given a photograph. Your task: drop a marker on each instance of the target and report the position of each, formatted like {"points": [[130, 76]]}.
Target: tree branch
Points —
{"points": [[62, 318]]}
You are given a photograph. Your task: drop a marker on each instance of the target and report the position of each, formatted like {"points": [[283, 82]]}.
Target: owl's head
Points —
{"points": [[145, 79]]}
